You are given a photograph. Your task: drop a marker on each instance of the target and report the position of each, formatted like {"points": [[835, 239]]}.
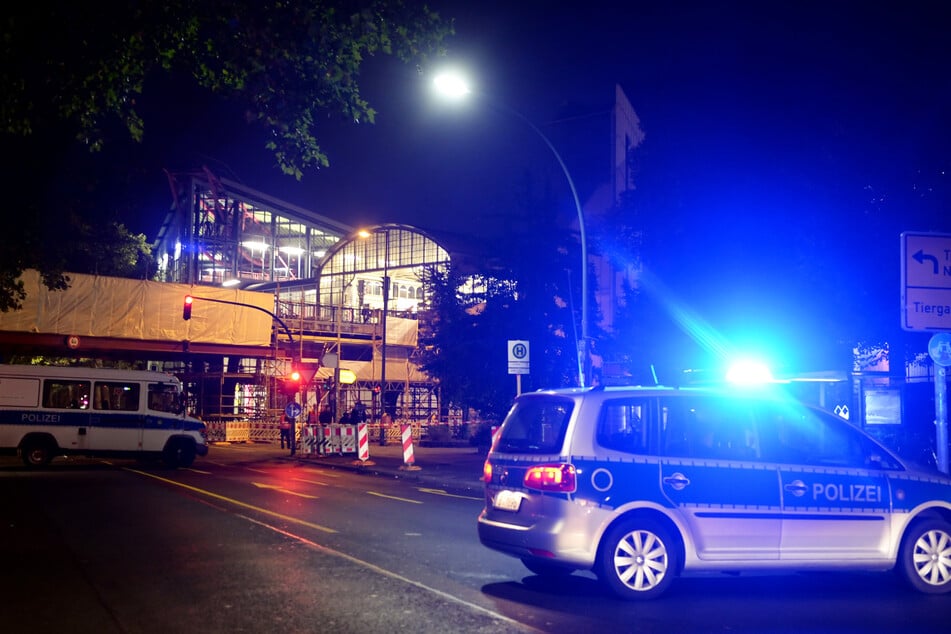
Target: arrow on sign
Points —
{"points": [[921, 256]]}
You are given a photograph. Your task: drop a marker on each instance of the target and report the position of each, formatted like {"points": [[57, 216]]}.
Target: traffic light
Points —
{"points": [[187, 309], [290, 385]]}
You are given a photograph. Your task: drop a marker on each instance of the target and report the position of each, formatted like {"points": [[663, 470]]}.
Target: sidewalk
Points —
{"points": [[452, 469]]}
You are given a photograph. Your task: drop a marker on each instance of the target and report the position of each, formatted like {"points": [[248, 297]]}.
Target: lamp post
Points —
{"points": [[455, 87]]}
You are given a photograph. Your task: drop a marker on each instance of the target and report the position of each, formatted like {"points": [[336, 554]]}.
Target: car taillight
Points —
{"points": [[487, 472], [551, 477]]}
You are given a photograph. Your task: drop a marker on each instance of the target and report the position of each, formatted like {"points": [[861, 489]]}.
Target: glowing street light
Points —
{"points": [[455, 87]]}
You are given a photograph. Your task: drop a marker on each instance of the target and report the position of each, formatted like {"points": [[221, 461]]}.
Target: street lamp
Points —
{"points": [[455, 87]]}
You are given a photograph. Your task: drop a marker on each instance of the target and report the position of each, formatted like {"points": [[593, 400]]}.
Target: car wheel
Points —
{"points": [[638, 560], [37, 453], [179, 454], [545, 568], [925, 556]]}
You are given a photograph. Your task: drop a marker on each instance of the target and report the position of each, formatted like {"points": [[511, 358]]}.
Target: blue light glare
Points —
{"points": [[749, 372]]}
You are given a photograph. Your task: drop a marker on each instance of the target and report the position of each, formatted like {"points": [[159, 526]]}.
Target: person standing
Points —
{"points": [[285, 431]]}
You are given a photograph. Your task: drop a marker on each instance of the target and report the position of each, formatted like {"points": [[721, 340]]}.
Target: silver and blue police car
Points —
{"points": [[641, 485]]}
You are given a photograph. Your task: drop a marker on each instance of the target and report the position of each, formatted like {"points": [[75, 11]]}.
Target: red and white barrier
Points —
{"points": [[407, 434], [409, 459], [363, 442]]}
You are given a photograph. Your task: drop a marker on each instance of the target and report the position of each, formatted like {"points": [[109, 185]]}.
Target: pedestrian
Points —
{"points": [[285, 431], [359, 413]]}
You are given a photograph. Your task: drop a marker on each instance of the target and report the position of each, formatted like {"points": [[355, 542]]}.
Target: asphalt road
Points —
{"points": [[250, 540]]}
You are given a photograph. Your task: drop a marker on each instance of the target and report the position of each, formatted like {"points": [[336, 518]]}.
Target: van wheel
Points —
{"points": [[638, 559], [36, 453], [925, 556], [178, 453]]}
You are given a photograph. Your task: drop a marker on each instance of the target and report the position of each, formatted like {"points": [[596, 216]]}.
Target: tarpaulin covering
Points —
{"points": [[97, 306]]}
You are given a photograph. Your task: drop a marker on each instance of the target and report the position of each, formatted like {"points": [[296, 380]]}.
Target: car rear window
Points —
{"points": [[536, 426]]}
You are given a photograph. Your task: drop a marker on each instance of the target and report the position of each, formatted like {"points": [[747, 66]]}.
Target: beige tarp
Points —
{"points": [[369, 371], [401, 331], [96, 306]]}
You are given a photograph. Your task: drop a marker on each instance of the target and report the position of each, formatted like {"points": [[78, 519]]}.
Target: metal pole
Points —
{"points": [[941, 416], [386, 298]]}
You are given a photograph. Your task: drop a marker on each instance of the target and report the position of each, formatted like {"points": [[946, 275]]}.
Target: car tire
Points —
{"points": [[179, 453], [37, 453], [638, 559], [925, 556]]}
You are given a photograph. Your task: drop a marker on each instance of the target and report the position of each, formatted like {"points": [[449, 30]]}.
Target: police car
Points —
{"points": [[641, 485]]}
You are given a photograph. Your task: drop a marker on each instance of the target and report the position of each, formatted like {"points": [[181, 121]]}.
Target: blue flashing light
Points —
{"points": [[749, 372]]}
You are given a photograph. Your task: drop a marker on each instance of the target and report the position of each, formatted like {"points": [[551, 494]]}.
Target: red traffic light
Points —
{"points": [[290, 385], [187, 309]]}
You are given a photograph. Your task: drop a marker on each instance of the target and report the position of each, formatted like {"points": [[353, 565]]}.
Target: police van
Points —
{"points": [[50, 411], [641, 485]]}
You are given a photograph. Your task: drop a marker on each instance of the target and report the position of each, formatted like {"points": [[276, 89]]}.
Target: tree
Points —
{"points": [[469, 318], [69, 70]]}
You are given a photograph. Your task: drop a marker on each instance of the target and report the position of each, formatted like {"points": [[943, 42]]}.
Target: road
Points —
{"points": [[249, 541]]}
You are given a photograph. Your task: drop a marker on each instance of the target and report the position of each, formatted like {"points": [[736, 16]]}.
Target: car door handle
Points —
{"points": [[677, 481]]}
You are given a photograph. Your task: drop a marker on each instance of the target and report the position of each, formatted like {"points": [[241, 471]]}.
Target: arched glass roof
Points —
{"points": [[353, 271]]}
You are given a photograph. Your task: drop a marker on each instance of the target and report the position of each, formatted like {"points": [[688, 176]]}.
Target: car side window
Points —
{"points": [[623, 425], [709, 427], [803, 435]]}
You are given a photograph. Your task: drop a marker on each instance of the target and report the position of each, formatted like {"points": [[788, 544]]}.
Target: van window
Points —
{"points": [[63, 393], [123, 397], [536, 425], [164, 398]]}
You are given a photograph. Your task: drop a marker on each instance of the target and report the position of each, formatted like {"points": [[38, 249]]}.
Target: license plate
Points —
{"points": [[507, 500]]}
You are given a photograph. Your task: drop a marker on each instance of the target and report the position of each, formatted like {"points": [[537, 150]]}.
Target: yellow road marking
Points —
{"points": [[286, 518], [283, 490], [448, 495], [324, 472], [318, 483], [393, 497]]}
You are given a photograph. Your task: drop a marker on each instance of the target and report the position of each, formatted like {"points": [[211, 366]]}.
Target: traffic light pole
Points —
{"points": [[263, 310]]}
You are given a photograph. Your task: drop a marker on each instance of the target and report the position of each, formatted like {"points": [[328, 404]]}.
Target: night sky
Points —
{"points": [[788, 144]]}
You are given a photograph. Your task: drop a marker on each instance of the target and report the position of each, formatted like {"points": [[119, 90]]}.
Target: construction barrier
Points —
{"points": [[308, 441], [265, 431], [409, 459], [348, 438], [228, 431], [324, 440], [363, 442]]}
